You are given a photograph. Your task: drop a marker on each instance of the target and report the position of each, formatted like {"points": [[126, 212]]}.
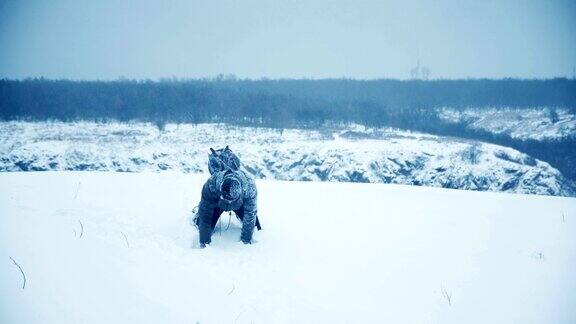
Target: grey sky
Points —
{"points": [[105, 39]]}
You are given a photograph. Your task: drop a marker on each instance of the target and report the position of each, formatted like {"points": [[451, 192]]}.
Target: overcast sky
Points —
{"points": [[106, 39]]}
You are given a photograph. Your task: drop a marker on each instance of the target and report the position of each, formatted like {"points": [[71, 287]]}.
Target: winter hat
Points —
{"points": [[231, 188], [222, 160]]}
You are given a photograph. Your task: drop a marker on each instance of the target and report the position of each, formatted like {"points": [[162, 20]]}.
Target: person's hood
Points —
{"points": [[230, 190]]}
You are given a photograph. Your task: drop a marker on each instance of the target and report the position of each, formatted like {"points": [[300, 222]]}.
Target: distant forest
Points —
{"points": [[291, 103], [275, 103]]}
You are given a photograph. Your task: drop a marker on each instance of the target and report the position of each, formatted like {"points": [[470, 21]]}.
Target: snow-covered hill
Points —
{"points": [[520, 123], [105, 247], [351, 155]]}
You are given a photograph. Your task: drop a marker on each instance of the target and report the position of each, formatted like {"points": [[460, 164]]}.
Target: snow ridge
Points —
{"points": [[353, 154]]}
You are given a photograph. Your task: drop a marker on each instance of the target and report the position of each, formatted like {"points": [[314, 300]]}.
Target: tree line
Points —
{"points": [[289, 102]]}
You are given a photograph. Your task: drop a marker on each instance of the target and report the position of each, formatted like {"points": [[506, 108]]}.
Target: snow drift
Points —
{"points": [[99, 247]]}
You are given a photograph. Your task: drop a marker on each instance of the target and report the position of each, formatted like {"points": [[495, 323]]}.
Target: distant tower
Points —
{"points": [[420, 72]]}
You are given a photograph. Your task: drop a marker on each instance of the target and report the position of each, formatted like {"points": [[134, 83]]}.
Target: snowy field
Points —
{"points": [[101, 247]]}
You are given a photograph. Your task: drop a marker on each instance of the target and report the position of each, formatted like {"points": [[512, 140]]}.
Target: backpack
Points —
{"points": [[222, 160]]}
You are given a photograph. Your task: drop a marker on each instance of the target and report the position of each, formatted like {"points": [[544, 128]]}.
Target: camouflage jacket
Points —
{"points": [[213, 200]]}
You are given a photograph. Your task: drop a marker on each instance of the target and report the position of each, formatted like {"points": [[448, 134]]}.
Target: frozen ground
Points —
{"points": [[521, 123], [99, 247], [350, 154]]}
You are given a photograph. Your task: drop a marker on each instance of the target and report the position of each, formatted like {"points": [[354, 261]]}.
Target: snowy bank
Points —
{"points": [[519, 123], [344, 155]]}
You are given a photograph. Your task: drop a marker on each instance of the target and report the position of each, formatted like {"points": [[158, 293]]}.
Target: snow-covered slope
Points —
{"points": [[520, 123], [99, 247], [350, 155]]}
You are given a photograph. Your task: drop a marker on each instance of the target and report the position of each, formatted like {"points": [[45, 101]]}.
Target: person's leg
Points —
{"points": [[215, 217]]}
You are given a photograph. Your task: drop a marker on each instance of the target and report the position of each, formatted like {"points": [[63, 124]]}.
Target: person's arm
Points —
{"points": [[208, 203], [250, 212]]}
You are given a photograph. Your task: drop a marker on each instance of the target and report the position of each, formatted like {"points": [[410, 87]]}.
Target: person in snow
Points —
{"points": [[228, 189]]}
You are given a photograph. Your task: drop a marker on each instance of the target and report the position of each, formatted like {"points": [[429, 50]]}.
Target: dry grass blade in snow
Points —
{"points": [[21, 271]]}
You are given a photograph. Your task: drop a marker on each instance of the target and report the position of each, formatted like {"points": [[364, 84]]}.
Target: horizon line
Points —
{"points": [[234, 78]]}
